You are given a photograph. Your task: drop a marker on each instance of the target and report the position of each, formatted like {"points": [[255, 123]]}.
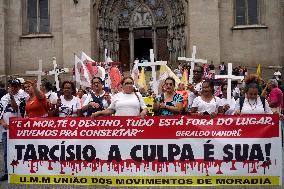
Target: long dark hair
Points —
{"points": [[172, 79]]}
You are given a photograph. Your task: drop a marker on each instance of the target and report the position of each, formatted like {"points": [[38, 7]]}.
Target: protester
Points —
{"points": [[228, 104], [170, 102], [223, 68], [207, 103], [275, 98], [68, 105], [178, 71], [95, 99], [9, 108], [277, 75], [36, 106], [47, 89], [196, 85], [81, 94], [107, 99], [211, 68], [252, 103], [125, 103], [3, 91], [184, 93]]}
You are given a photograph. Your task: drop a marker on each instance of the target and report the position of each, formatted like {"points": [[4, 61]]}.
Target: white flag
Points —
{"points": [[166, 72], [95, 71], [81, 73]]}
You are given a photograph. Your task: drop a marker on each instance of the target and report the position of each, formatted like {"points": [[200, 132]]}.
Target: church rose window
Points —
{"points": [[246, 12], [38, 16]]}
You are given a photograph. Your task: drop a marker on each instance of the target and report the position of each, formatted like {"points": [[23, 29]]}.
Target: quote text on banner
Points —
{"points": [[174, 150]]}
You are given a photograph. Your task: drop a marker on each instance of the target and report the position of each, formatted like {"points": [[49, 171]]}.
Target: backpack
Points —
{"points": [[242, 100]]}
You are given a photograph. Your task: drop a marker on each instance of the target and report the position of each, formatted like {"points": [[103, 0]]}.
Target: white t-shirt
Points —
{"points": [[7, 109], [52, 97], [127, 104], [231, 103], [209, 107], [192, 96], [253, 107], [69, 108]]}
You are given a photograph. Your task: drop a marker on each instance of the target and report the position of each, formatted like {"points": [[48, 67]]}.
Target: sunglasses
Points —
{"points": [[170, 84], [128, 83]]}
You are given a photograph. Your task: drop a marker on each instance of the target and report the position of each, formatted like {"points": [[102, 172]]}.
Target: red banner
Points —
{"points": [[163, 127]]}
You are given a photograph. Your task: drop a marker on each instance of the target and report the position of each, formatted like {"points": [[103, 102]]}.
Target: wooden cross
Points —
{"points": [[193, 60], [56, 72], [153, 65], [229, 78], [39, 73]]}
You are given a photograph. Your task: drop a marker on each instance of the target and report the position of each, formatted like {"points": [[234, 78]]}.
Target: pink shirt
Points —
{"points": [[276, 96]]}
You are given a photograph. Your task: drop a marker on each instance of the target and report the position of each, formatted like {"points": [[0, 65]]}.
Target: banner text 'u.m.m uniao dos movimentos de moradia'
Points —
{"points": [[156, 151]]}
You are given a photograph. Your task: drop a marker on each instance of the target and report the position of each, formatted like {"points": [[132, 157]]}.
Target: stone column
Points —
{"points": [[131, 44], [154, 41], [2, 39]]}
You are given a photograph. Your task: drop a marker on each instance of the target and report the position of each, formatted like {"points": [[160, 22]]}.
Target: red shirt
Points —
{"points": [[36, 107], [276, 97]]}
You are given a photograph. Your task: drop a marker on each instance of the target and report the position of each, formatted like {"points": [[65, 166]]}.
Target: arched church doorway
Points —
{"points": [[129, 28]]}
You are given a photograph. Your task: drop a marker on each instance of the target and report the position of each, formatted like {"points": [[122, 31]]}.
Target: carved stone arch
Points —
{"points": [[119, 14], [142, 16]]}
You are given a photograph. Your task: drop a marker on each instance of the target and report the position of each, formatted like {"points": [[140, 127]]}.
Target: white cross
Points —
{"points": [[193, 60], [39, 73], [56, 72], [229, 78], [153, 65]]}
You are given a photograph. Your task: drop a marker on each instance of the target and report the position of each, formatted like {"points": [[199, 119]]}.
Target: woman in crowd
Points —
{"points": [[68, 105], [228, 104], [36, 106], [47, 89], [81, 94], [169, 103], [207, 103], [252, 103], [184, 93], [125, 103], [51, 97]]}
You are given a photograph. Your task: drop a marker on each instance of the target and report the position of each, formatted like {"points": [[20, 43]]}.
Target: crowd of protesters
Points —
{"points": [[201, 97]]}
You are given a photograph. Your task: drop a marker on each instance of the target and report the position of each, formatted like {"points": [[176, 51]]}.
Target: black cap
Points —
{"points": [[16, 82]]}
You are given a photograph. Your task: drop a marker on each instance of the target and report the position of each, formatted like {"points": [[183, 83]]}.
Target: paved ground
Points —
{"points": [[4, 185]]}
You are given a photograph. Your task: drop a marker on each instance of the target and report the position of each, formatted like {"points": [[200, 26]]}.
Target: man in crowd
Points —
{"points": [[9, 106], [223, 69], [275, 98], [195, 87]]}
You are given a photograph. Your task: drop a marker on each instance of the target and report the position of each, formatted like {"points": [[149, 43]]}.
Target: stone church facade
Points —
{"points": [[244, 32]]}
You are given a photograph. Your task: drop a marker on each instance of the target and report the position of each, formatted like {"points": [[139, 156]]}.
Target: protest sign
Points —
{"points": [[121, 151]]}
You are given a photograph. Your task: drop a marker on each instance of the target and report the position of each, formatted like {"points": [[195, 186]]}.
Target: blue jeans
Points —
{"points": [[4, 143]]}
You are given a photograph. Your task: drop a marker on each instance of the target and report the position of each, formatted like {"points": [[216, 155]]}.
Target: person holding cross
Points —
{"points": [[195, 87]]}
